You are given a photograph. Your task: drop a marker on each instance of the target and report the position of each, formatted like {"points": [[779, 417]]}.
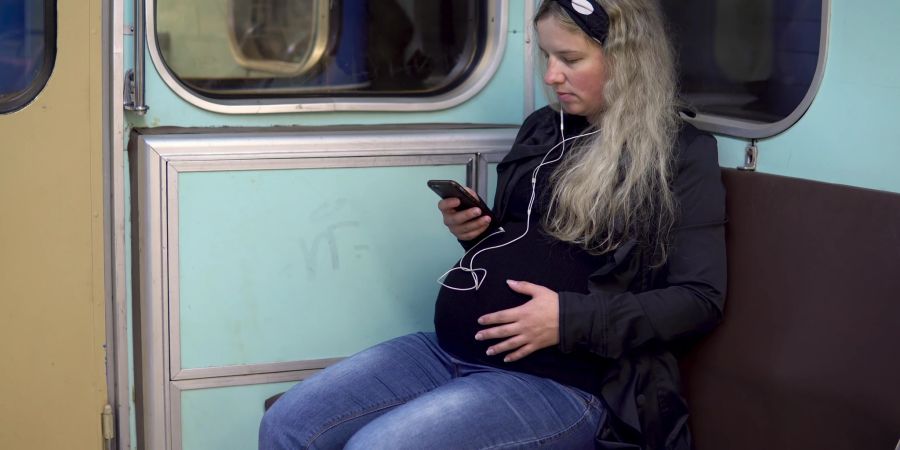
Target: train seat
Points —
{"points": [[807, 356]]}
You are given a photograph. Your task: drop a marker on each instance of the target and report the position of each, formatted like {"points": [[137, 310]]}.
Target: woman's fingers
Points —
{"points": [[498, 332], [453, 217], [465, 225], [526, 328], [448, 204], [518, 347], [507, 345], [471, 228], [522, 352]]}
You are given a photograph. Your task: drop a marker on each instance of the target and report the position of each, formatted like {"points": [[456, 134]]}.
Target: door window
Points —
{"points": [[253, 49], [753, 63], [27, 50]]}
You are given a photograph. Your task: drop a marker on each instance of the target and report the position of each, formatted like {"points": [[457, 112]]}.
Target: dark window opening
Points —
{"points": [[751, 60], [27, 50]]}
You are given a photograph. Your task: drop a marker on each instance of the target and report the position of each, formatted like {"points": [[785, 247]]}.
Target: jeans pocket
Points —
{"points": [[588, 398]]}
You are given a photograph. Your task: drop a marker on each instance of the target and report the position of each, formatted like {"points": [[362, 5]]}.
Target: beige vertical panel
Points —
{"points": [[52, 382]]}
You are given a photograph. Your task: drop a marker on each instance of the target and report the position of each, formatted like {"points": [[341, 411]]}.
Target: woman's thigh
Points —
{"points": [[488, 409], [326, 409]]}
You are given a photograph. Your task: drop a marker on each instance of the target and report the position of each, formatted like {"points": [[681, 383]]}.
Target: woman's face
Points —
{"points": [[575, 67]]}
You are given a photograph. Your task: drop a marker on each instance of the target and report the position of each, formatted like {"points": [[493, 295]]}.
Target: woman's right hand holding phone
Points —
{"points": [[466, 224]]}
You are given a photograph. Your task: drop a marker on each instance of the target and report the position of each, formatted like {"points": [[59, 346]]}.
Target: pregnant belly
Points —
{"points": [[535, 258]]}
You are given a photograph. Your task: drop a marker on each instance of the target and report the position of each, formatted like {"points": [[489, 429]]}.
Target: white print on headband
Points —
{"points": [[583, 7]]}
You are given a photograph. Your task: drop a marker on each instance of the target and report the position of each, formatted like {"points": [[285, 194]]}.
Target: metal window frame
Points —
{"points": [[19, 100], [485, 68], [746, 129], [529, 75], [159, 377]]}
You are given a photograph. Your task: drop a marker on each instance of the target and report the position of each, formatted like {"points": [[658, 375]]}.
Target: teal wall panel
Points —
{"points": [[224, 418], [850, 134], [287, 265]]}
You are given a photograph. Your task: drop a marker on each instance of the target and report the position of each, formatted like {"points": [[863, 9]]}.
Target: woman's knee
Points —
{"points": [[297, 417], [278, 432], [374, 436], [291, 428], [333, 404]]}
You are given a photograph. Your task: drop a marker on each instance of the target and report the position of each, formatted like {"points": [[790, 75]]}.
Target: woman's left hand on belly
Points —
{"points": [[527, 328]]}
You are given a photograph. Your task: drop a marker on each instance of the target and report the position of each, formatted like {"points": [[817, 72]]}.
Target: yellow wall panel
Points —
{"points": [[52, 325]]}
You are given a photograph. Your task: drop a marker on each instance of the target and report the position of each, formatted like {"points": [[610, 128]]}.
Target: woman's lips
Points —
{"points": [[565, 96]]}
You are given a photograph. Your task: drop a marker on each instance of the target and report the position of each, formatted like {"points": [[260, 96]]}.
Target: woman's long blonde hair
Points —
{"points": [[616, 184]]}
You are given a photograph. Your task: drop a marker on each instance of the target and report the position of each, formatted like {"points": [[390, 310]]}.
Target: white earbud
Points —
{"points": [[562, 123]]}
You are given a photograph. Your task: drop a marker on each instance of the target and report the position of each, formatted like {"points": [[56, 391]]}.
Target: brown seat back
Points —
{"points": [[808, 356]]}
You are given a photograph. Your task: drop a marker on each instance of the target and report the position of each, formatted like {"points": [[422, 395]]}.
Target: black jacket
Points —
{"points": [[636, 314]]}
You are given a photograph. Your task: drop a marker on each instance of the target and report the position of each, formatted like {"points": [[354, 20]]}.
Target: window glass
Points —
{"points": [[27, 49], [751, 60], [312, 48]]}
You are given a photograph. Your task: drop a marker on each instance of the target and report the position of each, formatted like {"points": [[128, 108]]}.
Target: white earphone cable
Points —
{"points": [[479, 279]]}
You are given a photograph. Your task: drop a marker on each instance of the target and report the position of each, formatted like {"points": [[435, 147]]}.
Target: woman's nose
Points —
{"points": [[553, 75]]}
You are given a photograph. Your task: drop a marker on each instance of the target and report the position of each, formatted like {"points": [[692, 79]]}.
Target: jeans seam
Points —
{"points": [[328, 427], [586, 397], [552, 437]]}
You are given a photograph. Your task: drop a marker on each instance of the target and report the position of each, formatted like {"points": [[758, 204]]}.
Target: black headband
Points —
{"points": [[589, 16]]}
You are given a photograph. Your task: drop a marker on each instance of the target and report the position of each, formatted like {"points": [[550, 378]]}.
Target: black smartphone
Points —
{"points": [[450, 188]]}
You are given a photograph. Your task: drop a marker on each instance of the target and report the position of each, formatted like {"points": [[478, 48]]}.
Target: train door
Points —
{"points": [[52, 215]]}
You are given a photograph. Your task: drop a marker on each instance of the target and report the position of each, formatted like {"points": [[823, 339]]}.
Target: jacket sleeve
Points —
{"points": [[691, 299]]}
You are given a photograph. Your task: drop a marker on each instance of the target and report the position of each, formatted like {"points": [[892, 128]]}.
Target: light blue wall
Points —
{"points": [[224, 418], [851, 133], [291, 265]]}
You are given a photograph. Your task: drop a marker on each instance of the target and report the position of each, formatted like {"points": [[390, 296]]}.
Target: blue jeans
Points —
{"points": [[407, 393]]}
